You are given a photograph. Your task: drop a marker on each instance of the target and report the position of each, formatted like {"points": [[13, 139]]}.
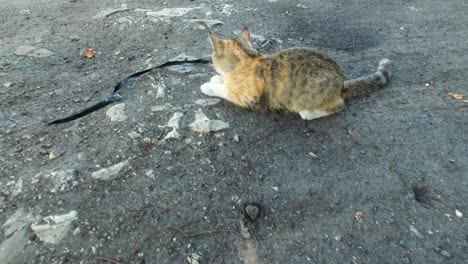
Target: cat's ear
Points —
{"points": [[245, 34], [215, 41]]}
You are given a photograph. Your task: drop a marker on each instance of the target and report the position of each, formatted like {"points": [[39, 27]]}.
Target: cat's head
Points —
{"points": [[227, 53]]}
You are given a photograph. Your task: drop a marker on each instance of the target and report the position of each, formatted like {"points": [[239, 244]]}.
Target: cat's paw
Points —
{"points": [[214, 89], [217, 79], [207, 88]]}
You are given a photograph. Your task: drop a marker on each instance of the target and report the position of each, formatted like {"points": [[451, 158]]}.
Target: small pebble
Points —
{"points": [[445, 254], [252, 211], [134, 135], [459, 214]]}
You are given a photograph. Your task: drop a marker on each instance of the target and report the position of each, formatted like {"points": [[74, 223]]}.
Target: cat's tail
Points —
{"points": [[369, 83]]}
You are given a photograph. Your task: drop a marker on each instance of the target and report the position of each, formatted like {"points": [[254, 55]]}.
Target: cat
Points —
{"points": [[299, 80]]}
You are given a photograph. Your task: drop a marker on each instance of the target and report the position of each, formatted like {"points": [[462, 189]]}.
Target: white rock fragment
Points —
{"points": [[193, 258], [134, 135], [236, 138], [415, 231], [181, 68], [203, 124], [173, 134], [275, 188], [56, 228], [32, 51], [8, 84], [18, 188], [160, 89], [174, 122], [158, 108], [110, 173], [313, 155], [105, 13], [175, 119], [207, 102], [458, 214], [150, 174], [182, 57], [170, 12], [53, 154], [12, 247], [56, 181], [17, 221], [117, 113], [205, 23], [227, 9]]}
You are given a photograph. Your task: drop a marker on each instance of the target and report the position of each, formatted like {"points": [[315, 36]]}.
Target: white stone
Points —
{"points": [[170, 12], [18, 188], [203, 124], [205, 23], [17, 221], [207, 102], [13, 246], [8, 84], [313, 155], [109, 173], [117, 113], [134, 135], [105, 13], [158, 108], [57, 181], [56, 228], [458, 213], [175, 119], [173, 134]]}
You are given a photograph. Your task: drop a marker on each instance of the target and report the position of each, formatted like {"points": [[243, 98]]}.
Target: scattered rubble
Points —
{"points": [[56, 181], [207, 102], [17, 221], [110, 173], [175, 119], [160, 89], [203, 124], [170, 12], [105, 13], [193, 258], [117, 113], [205, 23], [13, 246], [181, 68], [56, 227], [134, 135]]}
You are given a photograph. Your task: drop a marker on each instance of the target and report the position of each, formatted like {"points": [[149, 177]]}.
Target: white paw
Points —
{"points": [[217, 79], [207, 88], [309, 115]]}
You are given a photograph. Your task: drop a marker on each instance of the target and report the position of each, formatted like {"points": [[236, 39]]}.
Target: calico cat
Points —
{"points": [[299, 80]]}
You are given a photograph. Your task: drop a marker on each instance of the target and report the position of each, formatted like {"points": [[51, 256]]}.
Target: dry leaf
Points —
{"points": [[456, 96], [89, 53]]}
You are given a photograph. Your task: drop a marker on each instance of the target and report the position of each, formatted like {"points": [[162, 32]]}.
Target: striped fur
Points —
{"points": [[299, 80], [369, 83]]}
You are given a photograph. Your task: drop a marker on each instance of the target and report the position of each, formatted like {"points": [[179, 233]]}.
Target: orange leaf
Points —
{"points": [[456, 96], [89, 53]]}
